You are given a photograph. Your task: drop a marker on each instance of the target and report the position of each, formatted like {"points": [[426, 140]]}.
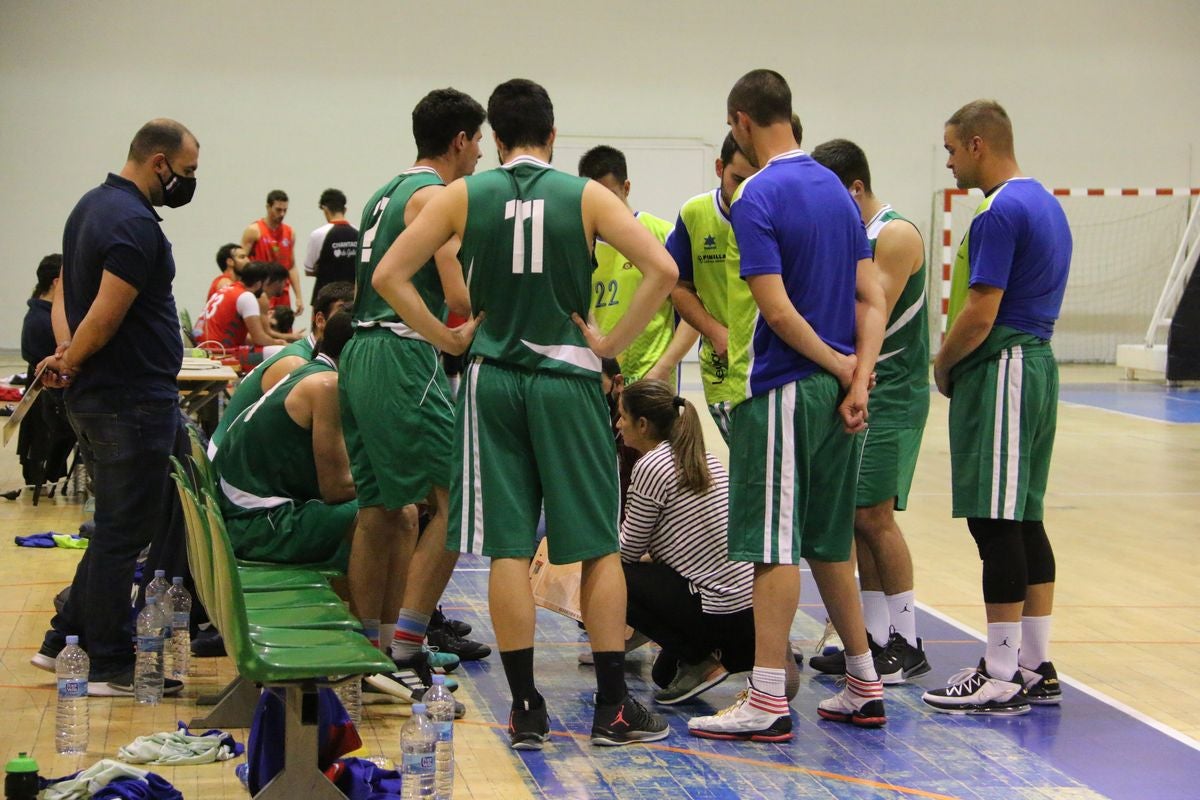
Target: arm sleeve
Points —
{"points": [[679, 245], [644, 509], [315, 242], [247, 305], [990, 248], [755, 242]]}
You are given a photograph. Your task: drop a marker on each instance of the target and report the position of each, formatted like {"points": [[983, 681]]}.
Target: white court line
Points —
{"points": [[1161, 727]]}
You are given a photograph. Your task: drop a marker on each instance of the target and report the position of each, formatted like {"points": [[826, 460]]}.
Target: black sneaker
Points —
{"points": [[900, 661], [45, 657], [835, 663], [121, 685], [208, 644], [528, 728], [440, 620], [627, 722], [446, 640], [1041, 684]]}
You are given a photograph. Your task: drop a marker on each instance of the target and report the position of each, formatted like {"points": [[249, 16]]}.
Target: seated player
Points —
{"points": [[282, 319], [234, 319], [231, 259], [688, 597]]}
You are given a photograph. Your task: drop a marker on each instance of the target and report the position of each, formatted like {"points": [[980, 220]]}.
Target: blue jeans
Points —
{"points": [[126, 442]]}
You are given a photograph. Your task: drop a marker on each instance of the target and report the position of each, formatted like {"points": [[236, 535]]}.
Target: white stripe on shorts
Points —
{"points": [[470, 537], [998, 432], [1013, 467], [768, 500], [787, 475]]}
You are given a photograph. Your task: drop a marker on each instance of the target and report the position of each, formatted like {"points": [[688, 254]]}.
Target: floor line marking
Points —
{"points": [[1123, 413], [1095, 694]]}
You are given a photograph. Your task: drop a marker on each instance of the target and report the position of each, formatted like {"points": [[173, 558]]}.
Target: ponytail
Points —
{"points": [[676, 420]]}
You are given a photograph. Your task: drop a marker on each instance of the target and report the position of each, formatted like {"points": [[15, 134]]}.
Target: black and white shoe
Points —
{"points": [[445, 640], [835, 663], [627, 722], [528, 728], [974, 691], [900, 661], [1041, 684], [440, 620]]}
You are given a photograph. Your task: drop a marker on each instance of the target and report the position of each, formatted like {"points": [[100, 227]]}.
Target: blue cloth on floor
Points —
{"points": [[36, 540], [154, 787], [360, 779]]}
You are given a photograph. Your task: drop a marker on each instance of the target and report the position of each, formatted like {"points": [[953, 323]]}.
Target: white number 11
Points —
{"points": [[519, 211]]}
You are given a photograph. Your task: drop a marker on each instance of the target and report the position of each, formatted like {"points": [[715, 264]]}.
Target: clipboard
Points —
{"points": [[31, 394]]}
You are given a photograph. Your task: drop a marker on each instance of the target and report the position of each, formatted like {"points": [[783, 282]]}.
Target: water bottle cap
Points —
{"points": [[439, 680], [177, 580], [160, 573], [420, 708], [72, 640], [22, 763]]}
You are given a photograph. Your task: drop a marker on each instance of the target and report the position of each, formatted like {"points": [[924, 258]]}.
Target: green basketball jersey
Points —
{"points": [[900, 398], [528, 267], [614, 280], [250, 389], [724, 294], [382, 222], [266, 459]]}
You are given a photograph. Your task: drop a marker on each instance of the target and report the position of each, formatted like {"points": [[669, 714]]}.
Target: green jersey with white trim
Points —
{"points": [[704, 224], [382, 222], [900, 398], [528, 267], [249, 389], [266, 459], [614, 280]]}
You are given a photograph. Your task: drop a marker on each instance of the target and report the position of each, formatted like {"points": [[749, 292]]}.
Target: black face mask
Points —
{"points": [[178, 190]]}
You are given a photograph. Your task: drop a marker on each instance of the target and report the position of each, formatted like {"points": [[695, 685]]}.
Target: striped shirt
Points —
{"points": [[687, 532]]}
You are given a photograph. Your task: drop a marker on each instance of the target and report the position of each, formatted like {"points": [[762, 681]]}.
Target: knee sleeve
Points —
{"points": [[1039, 555], [1002, 550]]}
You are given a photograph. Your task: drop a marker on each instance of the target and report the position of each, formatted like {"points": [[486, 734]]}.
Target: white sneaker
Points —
{"points": [[859, 703], [744, 721], [974, 691]]}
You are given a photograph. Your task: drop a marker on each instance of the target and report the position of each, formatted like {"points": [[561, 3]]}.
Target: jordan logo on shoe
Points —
{"points": [[620, 717]]}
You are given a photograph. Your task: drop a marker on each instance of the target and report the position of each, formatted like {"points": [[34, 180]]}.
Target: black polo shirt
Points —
{"points": [[114, 228]]}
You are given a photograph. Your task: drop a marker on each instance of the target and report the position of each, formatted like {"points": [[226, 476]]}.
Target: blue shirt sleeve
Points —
{"points": [[990, 248], [133, 251], [756, 242], [679, 245]]}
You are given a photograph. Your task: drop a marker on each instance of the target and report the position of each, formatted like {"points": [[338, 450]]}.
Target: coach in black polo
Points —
{"points": [[118, 356]]}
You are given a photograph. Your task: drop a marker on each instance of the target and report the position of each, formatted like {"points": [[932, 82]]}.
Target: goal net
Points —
{"points": [[1124, 243]]}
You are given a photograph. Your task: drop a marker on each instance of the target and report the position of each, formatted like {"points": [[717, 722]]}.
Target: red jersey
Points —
{"points": [[224, 324], [216, 286], [276, 245]]}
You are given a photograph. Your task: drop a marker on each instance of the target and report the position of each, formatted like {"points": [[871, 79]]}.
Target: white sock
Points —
{"points": [[769, 681], [875, 613], [1004, 640], [1035, 641], [902, 610], [862, 667]]}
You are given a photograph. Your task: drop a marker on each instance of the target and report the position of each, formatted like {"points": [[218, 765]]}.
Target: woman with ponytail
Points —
{"points": [[688, 596]]}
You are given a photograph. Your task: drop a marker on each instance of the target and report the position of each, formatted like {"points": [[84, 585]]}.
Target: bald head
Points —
{"points": [[161, 135], [987, 120]]}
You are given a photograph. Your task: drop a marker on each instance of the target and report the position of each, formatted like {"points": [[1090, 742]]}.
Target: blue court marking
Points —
{"points": [[1086, 749], [1147, 400]]}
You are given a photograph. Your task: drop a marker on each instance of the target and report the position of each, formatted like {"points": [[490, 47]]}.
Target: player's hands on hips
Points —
{"points": [[460, 337], [594, 338]]}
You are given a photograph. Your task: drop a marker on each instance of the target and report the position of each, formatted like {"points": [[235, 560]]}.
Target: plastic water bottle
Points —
{"points": [[441, 713], [417, 746], [158, 588], [181, 627], [148, 671], [71, 718]]}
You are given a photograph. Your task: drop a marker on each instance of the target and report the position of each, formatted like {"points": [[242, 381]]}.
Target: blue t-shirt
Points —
{"points": [[1020, 242], [113, 228], [794, 218]]}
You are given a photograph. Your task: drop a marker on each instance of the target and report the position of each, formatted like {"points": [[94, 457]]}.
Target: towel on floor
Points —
{"points": [[95, 781], [181, 747], [70, 541]]}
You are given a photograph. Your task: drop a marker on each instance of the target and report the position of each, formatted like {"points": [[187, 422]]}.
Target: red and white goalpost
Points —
{"points": [[1125, 242]]}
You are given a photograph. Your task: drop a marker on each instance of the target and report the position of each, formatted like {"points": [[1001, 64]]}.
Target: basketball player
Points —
{"points": [[889, 447], [997, 368], [805, 256], [532, 424], [270, 239]]}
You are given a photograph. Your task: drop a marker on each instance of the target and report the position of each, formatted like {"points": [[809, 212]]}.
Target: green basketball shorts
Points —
{"points": [[887, 460], [295, 533]]}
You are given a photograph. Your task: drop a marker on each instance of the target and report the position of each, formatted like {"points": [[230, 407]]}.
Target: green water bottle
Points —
{"points": [[21, 779]]}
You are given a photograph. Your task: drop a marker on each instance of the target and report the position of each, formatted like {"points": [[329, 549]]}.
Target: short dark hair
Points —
{"points": [[256, 272], [47, 270], [604, 160], [226, 253], [846, 160], [276, 195], [338, 330], [440, 116], [275, 272], [164, 136], [330, 294], [797, 128], [729, 149], [283, 318], [986, 119], [521, 114], [334, 200], [610, 367], [763, 95]]}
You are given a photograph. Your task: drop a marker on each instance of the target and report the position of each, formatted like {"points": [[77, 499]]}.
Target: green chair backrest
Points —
{"points": [[207, 476], [231, 610], [199, 551]]}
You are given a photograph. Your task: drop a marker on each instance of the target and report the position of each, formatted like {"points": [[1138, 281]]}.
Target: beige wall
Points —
{"points": [[305, 96]]}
